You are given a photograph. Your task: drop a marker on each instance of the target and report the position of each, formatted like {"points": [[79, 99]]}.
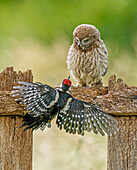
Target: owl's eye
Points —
{"points": [[77, 40], [87, 40]]}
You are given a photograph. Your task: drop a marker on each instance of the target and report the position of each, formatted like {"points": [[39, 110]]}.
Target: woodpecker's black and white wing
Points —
{"points": [[44, 103], [78, 116], [36, 96]]}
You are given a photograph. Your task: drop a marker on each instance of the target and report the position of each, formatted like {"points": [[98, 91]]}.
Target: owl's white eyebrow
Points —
{"points": [[77, 38], [86, 38]]}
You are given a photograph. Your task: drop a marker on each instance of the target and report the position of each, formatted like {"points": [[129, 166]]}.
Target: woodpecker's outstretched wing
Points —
{"points": [[78, 116], [36, 96], [44, 103]]}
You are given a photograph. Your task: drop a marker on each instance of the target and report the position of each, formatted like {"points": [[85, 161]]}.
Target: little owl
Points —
{"points": [[87, 57]]}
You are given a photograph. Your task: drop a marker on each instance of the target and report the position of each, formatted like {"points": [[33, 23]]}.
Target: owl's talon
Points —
{"points": [[98, 84], [84, 85]]}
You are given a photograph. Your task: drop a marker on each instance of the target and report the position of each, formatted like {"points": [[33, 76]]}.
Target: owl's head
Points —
{"points": [[85, 36]]}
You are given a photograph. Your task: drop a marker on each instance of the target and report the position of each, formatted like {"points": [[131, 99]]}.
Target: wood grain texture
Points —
{"points": [[122, 148], [8, 106], [9, 78], [15, 145], [114, 99]]}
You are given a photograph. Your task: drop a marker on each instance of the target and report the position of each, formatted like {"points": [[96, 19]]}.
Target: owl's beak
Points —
{"points": [[79, 43], [81, 46]]}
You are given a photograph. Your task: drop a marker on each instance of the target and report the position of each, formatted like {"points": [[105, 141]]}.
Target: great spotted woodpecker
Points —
{"points": [[43, 103]]}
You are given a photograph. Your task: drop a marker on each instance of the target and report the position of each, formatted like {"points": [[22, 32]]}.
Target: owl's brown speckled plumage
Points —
{"points": [[87, 57]]}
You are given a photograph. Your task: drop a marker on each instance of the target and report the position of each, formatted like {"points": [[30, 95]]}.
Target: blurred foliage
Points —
{"points": [[46, 20], [58, 150]]}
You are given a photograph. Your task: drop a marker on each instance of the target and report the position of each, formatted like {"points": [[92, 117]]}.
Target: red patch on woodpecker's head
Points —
{"points": [[67, 82]]}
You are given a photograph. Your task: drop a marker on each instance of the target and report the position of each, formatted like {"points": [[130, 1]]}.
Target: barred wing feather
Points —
{"points": [[79, 116], [36, 96]]}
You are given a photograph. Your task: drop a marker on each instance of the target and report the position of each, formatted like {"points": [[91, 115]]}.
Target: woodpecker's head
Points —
{"points": [[66, 85]]}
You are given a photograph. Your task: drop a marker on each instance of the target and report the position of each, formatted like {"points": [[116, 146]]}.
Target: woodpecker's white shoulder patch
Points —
{"points": [[46, 89], [66, 108], [53, 102]]}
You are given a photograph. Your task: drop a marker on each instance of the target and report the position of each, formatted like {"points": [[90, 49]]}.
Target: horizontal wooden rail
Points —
{"points": [[16, 145]]}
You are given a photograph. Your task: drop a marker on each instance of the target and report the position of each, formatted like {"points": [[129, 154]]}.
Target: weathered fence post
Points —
{"points": [[15, 145], [115, 99], [122, 148]]}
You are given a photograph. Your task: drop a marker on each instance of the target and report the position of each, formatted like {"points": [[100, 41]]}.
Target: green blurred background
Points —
{"points": [[36, 35]]}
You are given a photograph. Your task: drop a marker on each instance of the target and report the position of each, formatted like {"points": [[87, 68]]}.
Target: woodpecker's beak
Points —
{"points": [[68, 77]]}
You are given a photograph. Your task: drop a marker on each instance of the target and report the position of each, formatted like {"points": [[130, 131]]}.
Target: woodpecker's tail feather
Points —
{"points": [[35, 122]]}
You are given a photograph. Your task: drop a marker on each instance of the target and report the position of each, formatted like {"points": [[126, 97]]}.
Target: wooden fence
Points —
{"points": [[16, 145]]}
